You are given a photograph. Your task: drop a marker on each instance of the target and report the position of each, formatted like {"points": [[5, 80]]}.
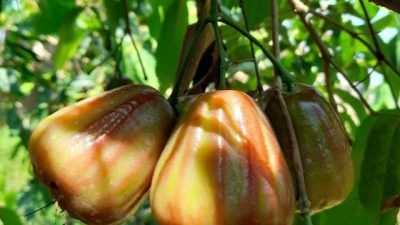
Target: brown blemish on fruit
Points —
{"points": [[55, 190], [112, 120]]}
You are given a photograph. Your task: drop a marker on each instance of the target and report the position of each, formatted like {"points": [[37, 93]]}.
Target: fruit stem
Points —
{"points": [[173, 99], [308, 220], [284, 74], [254, 59], [224, 60], [275, 40], [303, 201]]}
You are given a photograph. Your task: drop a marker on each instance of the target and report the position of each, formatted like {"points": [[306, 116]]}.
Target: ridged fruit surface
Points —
{"points": [[98, 156], [323, 144], [222, 166]]}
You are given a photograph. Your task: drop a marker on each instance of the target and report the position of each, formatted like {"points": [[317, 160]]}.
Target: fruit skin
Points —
{"points": [[222, 166], [323, 144], [98, 156]]}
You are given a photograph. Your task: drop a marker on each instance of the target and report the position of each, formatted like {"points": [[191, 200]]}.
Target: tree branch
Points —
{"points": [[378, 51], [346, 77], [224, 60], [390, 4], [326, 55], [368, 75], [356, 36], [275, 29], [389, 203], [275, 39], [105, 59], [379, 54], [303, 201], [284, 74], [344, 28], [259, 86]]}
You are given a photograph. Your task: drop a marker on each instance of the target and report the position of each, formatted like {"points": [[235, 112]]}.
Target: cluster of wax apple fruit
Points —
{"points": [[222, 163]]}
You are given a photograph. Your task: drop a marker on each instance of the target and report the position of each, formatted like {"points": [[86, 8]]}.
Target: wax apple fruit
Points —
{"points": [[323, 144], [98, 156], [222, 165]]}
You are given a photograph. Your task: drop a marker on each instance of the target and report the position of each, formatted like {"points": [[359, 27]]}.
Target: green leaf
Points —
{"points": [[256, 11], [393, 52], [14, 121], [354, 102], [157, 18], [391, 49], [372, 9], [170, 42], [51, 15], [10, 198], [155, 22], [385, 22], [9, 217], [388, 218], [347, 52], [239, 47], [348, 122], [229, 3], [132, 67], [71, 35], [376, 156], [396, 54], [114, 12], [383, 97], [380, 170], [394, 82]]}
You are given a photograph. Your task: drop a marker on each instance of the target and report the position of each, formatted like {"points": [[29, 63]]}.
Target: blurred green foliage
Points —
{"points": [[56, 52]]}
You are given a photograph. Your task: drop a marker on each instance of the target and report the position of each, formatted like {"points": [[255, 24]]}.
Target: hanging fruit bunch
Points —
{"points": [[226, 162]]}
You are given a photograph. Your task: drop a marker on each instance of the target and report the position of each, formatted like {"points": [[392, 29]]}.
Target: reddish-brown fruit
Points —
{"points": [[222, 166], [98, 156], [323, 144]]}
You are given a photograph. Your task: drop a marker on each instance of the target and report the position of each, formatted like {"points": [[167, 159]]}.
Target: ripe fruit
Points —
{"points": [[222, 165], [323, 144], [98, 156]]}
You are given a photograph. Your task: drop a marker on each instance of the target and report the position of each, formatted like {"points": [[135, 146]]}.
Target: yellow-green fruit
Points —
{"points": [[323, 144], [98, 156], [222, 166]]}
